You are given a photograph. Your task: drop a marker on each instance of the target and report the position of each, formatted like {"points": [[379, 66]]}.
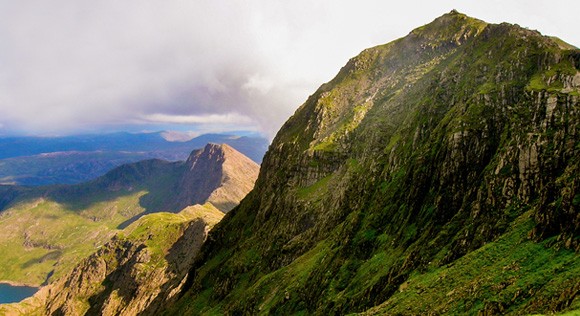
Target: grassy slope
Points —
{"points": [[46, 230], [501, 275], [57, 237], [159, 231]]}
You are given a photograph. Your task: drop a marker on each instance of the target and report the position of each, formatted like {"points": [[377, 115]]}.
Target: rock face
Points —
{"points": [[457, 144], [217, 174]]}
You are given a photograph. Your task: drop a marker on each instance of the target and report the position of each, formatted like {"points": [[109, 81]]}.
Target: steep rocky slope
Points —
{"points": [[434, 174], [45, 231], [147, 262], [231, 176]]}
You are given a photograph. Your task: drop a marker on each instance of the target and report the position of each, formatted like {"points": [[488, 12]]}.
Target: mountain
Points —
{"points": [[436, 174], [77, 159], [45, 231], [231, 177]]}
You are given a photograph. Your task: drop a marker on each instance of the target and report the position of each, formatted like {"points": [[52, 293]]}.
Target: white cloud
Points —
{"points": [[72, 64], [230, 118], [259, 84]]}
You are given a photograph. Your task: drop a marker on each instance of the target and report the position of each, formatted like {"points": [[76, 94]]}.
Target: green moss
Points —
{"points": [[539, 81], [392, 142], [503, 271], [354, 165], [315, 189], [576, 200], [325, 146]]}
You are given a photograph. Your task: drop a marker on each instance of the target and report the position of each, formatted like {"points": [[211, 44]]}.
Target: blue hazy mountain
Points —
{"points": [[75, 159]]}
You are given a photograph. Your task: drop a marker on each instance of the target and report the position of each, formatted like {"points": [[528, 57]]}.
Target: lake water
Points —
{"points": [[12, 294]]}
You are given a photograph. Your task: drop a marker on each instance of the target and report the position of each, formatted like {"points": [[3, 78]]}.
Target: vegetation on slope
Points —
{"points": [[449, 151], [145, 262], [42, 239]]}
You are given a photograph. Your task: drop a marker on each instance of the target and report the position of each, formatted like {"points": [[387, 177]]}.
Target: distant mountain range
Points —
{"points": [[75, 159]]}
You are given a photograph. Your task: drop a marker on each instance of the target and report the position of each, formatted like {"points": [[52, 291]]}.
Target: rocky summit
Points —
{"points": [[436, 174]]}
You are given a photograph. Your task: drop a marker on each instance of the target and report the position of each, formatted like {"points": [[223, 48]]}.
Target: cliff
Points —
{"points": [[436, 174], [217, 174]]}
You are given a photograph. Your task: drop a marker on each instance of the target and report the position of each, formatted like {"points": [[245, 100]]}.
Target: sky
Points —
{"points": [[81, 66]]}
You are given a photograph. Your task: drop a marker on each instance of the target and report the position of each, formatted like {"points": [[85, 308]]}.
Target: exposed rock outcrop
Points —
{"points": [[45, 231], [217, 174]]}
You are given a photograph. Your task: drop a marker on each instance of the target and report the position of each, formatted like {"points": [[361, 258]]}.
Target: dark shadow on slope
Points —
{"points": [[166, 183], [53, 255], [121, 281], [48, 276], [180, 257]]}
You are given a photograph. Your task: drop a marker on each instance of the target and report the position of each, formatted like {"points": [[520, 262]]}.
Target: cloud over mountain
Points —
{"points": [[76, 65]]}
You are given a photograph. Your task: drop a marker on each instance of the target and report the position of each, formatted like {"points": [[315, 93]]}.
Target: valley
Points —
{"points": [[45, 231]]}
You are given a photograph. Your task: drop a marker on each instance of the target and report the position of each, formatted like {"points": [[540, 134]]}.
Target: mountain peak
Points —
{"points": [[215, 148], [453, 26], [233, 175], [440, 147], [218, 153]]}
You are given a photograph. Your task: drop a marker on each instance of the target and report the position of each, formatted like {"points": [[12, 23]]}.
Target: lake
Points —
{"points": [[12, 294]]}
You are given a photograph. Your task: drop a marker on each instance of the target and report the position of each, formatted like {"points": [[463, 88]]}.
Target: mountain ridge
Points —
{"points": [[53, 227], [77, 159], [416, 154]]}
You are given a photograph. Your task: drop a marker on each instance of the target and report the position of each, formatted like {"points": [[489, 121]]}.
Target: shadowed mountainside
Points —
{"points": [[435, 174]]}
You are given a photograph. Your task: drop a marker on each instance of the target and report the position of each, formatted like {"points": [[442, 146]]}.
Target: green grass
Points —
{"points": [[325, 146], [41, 237], [539, 81], [316, 189], [504, 272]]}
